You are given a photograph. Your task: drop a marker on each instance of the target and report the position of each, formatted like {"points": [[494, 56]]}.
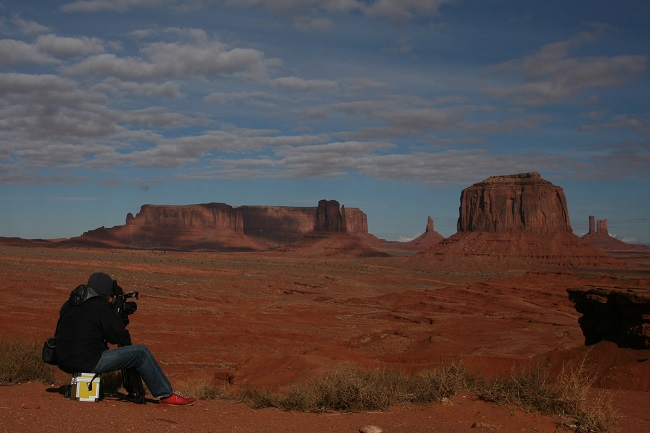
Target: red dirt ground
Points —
{"points": [[272, 319]]}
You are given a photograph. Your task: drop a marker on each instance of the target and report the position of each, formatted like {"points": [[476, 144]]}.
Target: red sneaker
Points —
{"points": [[177, 399]]}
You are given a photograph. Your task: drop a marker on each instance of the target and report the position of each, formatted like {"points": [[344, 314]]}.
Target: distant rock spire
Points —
{"points": [[429, 225]]}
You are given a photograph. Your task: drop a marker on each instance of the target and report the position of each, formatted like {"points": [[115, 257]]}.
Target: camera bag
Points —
{"points": [[49, 351]]}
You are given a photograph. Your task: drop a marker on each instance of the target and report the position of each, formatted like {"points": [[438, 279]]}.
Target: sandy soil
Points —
{"points": [[272, 319]]}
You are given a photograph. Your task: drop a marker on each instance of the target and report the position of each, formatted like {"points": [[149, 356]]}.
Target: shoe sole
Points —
{"points": [[175, 404]]}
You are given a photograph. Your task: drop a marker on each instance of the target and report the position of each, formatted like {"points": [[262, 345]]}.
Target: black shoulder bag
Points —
{"points": [[48, 355], [49, 351]]}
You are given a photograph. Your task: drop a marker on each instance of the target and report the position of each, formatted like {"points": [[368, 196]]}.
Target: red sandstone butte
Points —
{"points": [[519, 202], [518, 217]]}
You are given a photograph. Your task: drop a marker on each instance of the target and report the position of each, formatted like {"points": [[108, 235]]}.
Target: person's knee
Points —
{"points": [[143, 350]]}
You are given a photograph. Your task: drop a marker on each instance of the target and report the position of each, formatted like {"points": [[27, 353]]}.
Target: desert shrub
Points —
{"points": [[528, 389], [20, 361], [599, 416], [259, 398], [351, 389], [202, 390], [574, 383], [429, 386], [565, 396]]}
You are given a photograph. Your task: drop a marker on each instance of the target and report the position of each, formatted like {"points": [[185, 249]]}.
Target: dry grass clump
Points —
{"points": [[202, 389], [566, 396], [20, 361], [351, 389], [354, 390]]}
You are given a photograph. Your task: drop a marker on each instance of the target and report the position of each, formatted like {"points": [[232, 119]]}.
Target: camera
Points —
{"points": [[121, 305]]}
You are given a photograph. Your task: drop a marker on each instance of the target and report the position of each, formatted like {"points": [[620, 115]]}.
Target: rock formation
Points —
{"points": [[520, 217], [598, 236], [520, 202], [619, 315], [199, 226], [219, 226], [277, 225], [329, 217], [426, 240]]}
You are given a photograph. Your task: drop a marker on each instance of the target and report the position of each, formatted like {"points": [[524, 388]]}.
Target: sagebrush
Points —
{"points": [[20, 362]]}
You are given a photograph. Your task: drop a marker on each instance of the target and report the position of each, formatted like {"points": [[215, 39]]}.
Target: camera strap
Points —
{"points": [[90, 384]]}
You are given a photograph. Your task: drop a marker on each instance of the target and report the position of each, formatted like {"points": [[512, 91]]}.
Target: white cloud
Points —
{"points": [[337, 159], [69, 47], [296, 84], [111, 5], [18, 84], [258, 99], [392, 10], [47, 107], [28, 27], [170, 60], [552, 76], [403, 10], [638, 123], [305, 14], [114, 86], [13, 53]]}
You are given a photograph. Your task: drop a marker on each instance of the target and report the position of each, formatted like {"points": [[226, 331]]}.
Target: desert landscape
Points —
{"points": [[253, 303]]}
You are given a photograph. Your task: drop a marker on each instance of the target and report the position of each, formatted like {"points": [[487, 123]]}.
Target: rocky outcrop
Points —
{"points": [[329, 217], [520, 202], [517, 218], [199, 226], [277, 225], [427, 239], [619, 315], [598, 236]]}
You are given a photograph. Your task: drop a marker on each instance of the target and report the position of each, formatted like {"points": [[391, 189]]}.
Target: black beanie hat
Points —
{"points": [[102, 284]]}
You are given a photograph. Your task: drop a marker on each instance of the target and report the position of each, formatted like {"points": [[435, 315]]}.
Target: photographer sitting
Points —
{"points": [[87, 322]]}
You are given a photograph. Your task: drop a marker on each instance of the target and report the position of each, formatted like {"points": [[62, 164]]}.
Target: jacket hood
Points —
{"points": [[82, 293]]}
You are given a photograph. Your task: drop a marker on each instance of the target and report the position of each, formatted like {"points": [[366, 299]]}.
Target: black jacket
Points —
{"points": [[87, 322]]}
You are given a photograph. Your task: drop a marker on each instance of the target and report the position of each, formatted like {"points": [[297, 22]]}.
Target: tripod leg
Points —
{"points": [[133, 385], [132, 381]]}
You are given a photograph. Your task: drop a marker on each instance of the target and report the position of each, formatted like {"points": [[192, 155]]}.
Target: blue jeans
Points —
{"points": [[139, 357]]}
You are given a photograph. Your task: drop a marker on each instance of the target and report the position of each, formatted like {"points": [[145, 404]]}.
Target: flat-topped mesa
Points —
{"points": [[219, 226], [514, 203], [188, 217], [196, 226]]}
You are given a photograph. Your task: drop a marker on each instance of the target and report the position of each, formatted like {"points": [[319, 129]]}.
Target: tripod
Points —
{"points": [[131, 379]]}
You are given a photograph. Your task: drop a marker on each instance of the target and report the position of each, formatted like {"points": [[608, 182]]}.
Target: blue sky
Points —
{"points": [[391, 106]]}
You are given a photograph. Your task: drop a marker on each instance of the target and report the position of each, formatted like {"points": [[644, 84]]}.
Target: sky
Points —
{"points": [[390, 106]]}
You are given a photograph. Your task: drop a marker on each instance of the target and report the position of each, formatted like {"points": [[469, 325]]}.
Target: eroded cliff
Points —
{"points": [[219, 226], [519, 202]]}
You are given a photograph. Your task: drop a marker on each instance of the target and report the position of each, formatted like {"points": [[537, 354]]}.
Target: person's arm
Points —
{"points": [[112, 326]]}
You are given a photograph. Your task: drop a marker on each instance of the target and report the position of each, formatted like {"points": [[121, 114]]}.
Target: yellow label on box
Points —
{"points": [[86, 387]]}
